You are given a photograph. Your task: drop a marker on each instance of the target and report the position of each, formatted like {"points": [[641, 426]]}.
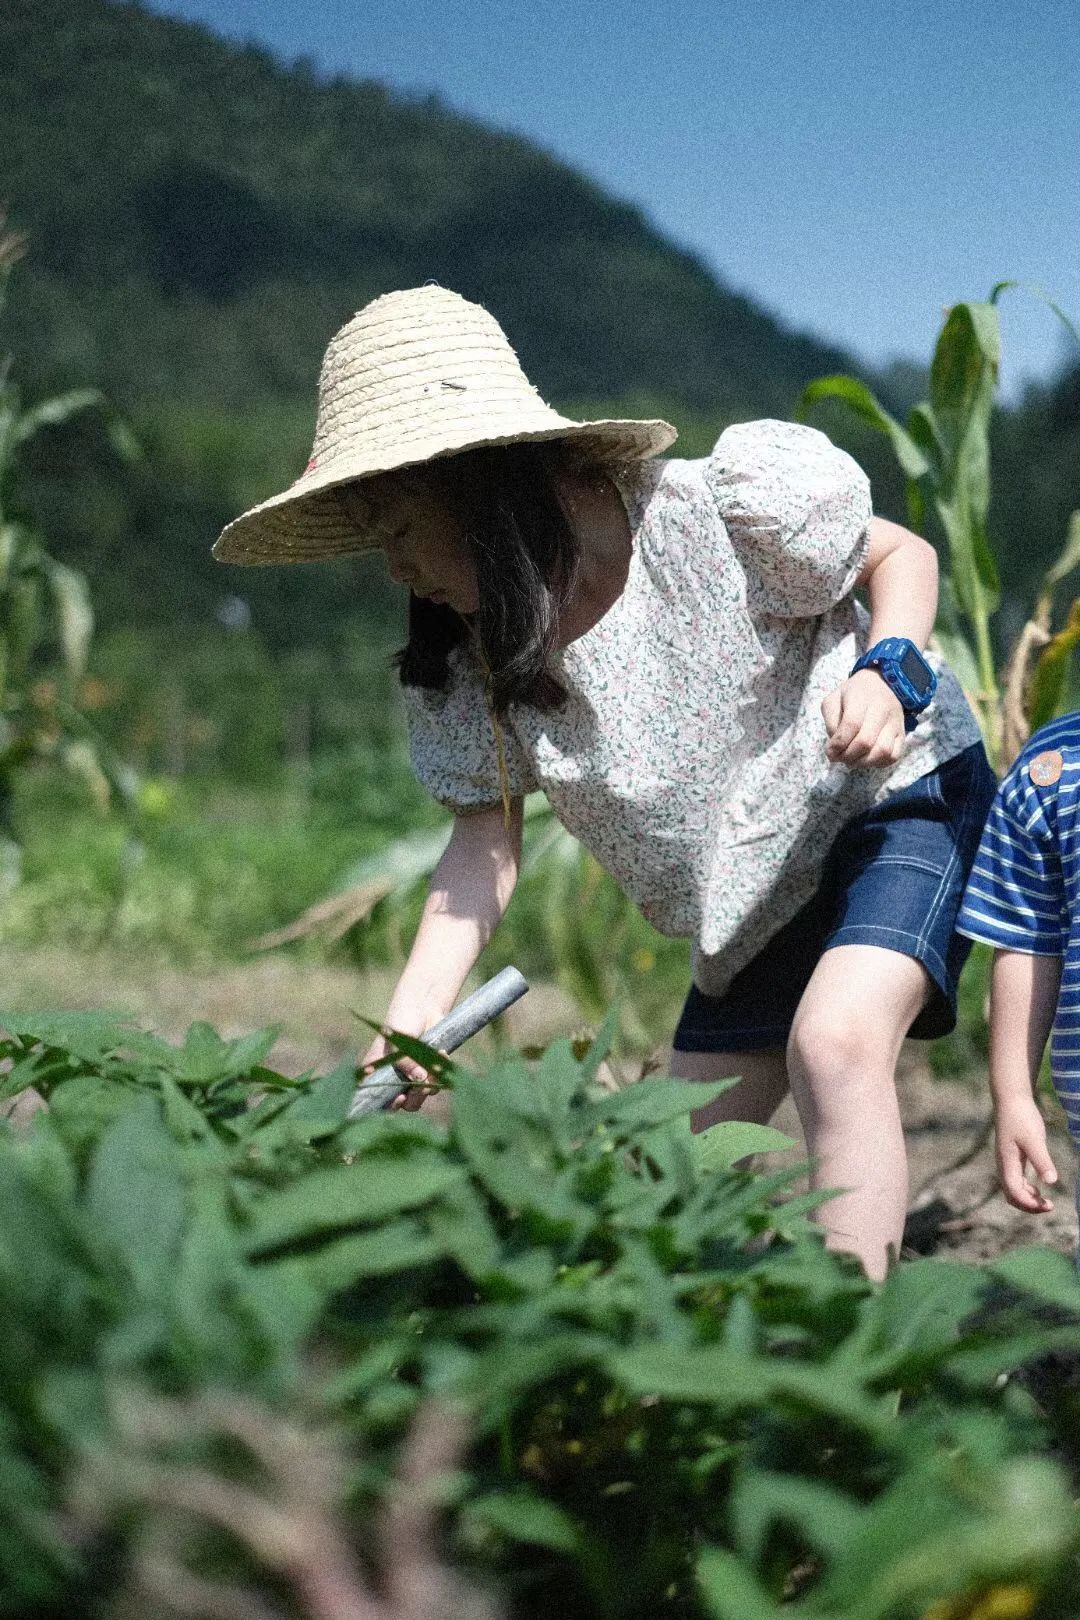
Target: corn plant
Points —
{"points": [[46, 618], [944, 453]]}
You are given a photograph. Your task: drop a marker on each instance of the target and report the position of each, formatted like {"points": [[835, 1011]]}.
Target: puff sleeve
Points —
{"points": [[797, 510], [452, 743], [1015, 896]]}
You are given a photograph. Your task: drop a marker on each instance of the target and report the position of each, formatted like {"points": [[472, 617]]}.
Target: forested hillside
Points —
{"points": [[201, 217]]}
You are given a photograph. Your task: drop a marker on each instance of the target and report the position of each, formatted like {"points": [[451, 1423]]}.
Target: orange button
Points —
{"points": [[1046, 768]]}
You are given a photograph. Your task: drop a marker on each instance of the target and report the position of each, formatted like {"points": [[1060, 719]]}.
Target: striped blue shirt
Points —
{"points": [[1023, 893]]}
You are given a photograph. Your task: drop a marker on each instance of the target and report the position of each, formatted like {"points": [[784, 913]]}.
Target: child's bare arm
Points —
{"points": [[470, 889], [863, 718], [1023, 997]]}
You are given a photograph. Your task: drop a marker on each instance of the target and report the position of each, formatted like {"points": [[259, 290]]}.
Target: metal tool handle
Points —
{"points": [[460, 1024]]}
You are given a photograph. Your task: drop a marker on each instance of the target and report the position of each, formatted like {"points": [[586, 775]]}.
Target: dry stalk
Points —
{"points": [[418, 1585], [329, 918], [1032, 639], [288, 1519], [12, 244]]}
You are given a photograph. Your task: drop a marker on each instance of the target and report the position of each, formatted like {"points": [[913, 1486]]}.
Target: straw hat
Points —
{"points": [[415, 375]]}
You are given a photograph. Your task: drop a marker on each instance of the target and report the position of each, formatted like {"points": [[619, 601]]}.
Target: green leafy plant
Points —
{"points": [[44, 609], [229, 1313], [944, 453]]}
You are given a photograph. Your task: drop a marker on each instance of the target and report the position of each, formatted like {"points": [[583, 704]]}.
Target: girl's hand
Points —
{"points": [[1020, 1134], [865, 722], [416, 1082]]}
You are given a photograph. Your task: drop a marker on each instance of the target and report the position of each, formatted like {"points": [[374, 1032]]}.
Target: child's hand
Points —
{"points": [[865, 722], [415, 1081], [1021, 1144]]}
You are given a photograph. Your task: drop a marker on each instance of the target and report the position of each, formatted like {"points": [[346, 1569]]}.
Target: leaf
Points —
{"points": [[723, 1145], [963, 377], [88, 1036], [980, 1364], [960, 657], [729, 1590], [439, 1066], [822, 1515], [400, 865], [11, 865], [204, 1059], [964, 370], [126, 446], [337, 1265], [924, 431], [1051, 671], [366, 1370], [83, 1110], [466, 1233], [649, 1103], [23, 625], [1041, 1273], [74, 614], [974, 578], [80, 759], [525, 1517], [921, 1540], [367, 1191], [861, 401], [233, 1317], [550, 1090], [318, 1109], [1070, 555], [514, 1369], [10, 536], [56, 412], [715, 1376], [513, 1162], [135, 1195], [385, 1132], [185, 1122], [1044, 298], [924, 1305], [601, 1044]]}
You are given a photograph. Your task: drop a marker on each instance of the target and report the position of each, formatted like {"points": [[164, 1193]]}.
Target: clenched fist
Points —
{"points": [[865, 722]]}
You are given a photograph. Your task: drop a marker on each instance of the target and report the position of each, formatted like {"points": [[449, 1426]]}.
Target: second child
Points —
{"points": [[1023, 898]]}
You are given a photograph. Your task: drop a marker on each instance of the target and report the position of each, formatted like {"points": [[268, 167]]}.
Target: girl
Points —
{"points": [[673, 652]]}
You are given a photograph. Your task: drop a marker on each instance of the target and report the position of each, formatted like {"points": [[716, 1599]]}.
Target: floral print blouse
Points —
{"points": [[689, 755]]}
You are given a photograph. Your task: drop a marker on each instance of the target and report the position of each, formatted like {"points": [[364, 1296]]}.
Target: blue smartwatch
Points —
{"points": [[905, 671]]}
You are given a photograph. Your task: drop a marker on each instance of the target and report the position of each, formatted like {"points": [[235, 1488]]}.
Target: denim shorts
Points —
{"points": [[894, 876]]}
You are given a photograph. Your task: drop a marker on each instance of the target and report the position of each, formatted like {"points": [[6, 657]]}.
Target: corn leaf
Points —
{"points": [[1051, 671], [858, 398]]}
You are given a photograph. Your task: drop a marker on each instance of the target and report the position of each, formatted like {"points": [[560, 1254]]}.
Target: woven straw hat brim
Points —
{"points": [[308, 522]]}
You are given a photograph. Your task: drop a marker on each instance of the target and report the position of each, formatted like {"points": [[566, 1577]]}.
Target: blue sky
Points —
{"points": [[854, 167]]}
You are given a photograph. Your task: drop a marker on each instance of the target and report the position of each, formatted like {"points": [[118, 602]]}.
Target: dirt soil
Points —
{"points": [[956, 1209]]}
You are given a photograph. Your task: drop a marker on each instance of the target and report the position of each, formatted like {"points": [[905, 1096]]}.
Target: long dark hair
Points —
{"points": [[526, 556]]}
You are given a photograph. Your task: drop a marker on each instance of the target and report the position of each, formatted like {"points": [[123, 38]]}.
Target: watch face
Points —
{"points": [[915, 669]]}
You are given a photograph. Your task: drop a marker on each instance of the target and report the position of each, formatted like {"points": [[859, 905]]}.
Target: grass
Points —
{"points": [[204, 872]]}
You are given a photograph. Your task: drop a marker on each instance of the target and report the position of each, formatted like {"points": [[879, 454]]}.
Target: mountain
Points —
{"points": [[202, 218]]}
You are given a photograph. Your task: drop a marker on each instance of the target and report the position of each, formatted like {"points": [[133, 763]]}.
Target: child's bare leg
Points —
{"points": [[762, 1086], [842, 1055]]}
